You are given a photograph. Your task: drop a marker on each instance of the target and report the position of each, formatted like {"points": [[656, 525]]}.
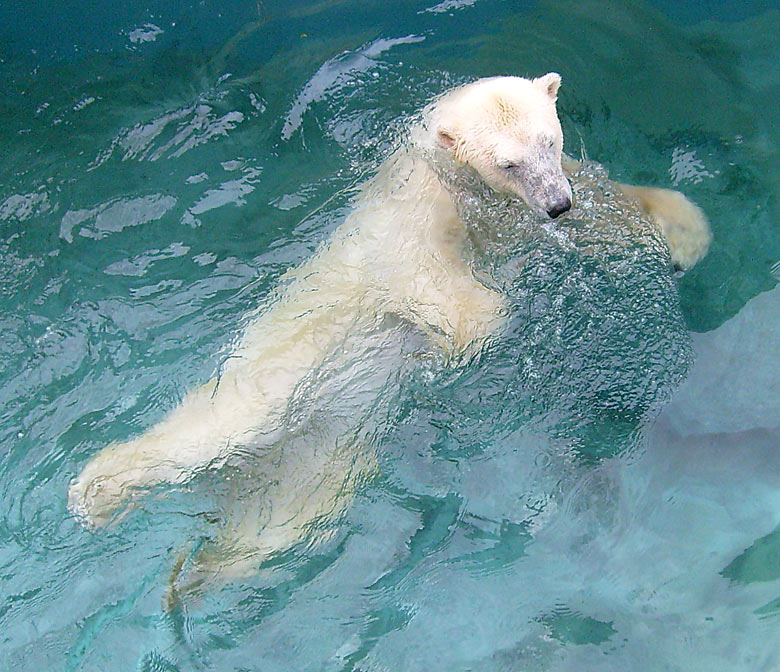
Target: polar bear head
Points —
{"points": [[507, 129]]}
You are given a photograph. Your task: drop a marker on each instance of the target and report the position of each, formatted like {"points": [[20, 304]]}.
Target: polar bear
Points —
{"points": [[401, 252]]}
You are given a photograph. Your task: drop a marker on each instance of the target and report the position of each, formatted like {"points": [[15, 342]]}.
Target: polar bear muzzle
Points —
{"points": [[543, 186]]}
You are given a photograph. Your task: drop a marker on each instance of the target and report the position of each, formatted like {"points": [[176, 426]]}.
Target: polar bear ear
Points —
{"points": [[549, 83], [447, 139]]}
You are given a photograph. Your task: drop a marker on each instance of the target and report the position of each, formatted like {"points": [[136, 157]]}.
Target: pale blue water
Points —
{"points": [[163, 163]]}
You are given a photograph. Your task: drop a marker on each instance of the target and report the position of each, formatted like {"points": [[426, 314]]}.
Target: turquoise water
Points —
{"points": [[163, 164]]}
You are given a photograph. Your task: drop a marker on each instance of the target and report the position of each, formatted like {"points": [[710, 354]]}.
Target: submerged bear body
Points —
{"points": [[417, 249]]}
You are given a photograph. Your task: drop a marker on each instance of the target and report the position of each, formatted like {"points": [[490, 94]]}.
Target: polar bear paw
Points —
{"points": [[684, 225], [94, 498], [107, 483]]}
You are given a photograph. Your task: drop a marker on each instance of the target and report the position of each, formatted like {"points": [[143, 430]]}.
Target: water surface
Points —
{"points": [[164, 163]]}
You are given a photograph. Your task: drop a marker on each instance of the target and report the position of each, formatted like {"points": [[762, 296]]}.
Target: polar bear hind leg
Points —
{"points": [[301, 502]]}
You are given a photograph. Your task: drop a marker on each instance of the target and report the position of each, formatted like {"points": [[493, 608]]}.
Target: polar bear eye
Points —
{"points": [[508, 165]]}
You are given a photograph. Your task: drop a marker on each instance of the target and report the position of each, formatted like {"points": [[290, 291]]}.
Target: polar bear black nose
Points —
{"points": [[559, 208]]}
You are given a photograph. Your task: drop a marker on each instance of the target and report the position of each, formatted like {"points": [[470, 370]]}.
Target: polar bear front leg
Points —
{"points": [[684, 225]]}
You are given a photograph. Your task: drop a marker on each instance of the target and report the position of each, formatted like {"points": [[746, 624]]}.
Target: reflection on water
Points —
{"points": [[114, 216], [338, 73], [160, 174]]}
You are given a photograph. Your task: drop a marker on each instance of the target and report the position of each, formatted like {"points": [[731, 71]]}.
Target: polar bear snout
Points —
{"points": [[554, 194], [564, 205], [549, 193]]}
